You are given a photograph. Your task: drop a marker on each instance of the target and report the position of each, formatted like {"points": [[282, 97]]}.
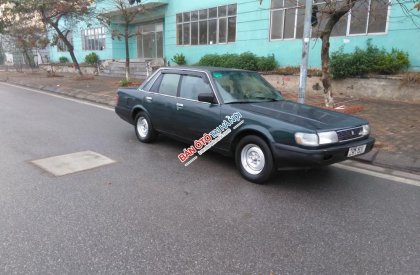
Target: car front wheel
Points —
{"points": [[144, 129], [254, 159]]}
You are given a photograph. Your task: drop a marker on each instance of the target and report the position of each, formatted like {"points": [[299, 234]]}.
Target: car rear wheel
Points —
{"points": [[144, 129], [254, 159]]}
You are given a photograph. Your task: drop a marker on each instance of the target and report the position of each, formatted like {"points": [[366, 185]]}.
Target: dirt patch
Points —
{"points": [[348, 109], [83, 77], [131, 84]]}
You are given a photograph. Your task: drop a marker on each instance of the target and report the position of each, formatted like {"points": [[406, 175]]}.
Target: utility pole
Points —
{"points": [[305, 51]]}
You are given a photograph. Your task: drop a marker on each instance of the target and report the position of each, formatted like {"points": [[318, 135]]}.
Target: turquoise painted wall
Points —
{"points": [[253, 35], [77, 43], [115, 48], [80, 54], [118, 45], [253, 24]]}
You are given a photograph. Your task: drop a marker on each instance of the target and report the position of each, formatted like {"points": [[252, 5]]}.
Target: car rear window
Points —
{"points": [[150, 83], [169, 84]]}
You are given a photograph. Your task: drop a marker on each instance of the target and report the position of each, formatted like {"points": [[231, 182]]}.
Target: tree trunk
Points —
{"points": [[326, 77], [332, 19], [69, 46], [28, 57], [127, 54], [25, 51], [73, 58]]}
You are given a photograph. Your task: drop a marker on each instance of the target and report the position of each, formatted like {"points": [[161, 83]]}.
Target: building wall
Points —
{"points": [[80, 54], [115, 48], [253, 34], [253, 24], [118, 44]]}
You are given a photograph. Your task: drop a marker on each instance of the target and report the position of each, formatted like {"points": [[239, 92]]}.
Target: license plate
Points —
{"points": [[354, 151]]}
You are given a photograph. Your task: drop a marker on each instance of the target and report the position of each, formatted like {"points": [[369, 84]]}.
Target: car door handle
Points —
{"points": [[179, 106], [149, 98]]}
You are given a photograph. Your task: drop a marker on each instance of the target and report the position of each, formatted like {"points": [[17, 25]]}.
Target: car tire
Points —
{"points": [[144, 128], [254, 159]]}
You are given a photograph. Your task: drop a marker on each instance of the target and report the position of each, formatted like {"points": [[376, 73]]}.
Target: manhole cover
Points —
{"points": [[72, 163]]}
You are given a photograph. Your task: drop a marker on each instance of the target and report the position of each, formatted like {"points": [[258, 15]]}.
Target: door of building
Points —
{"points": [[150, 40]]}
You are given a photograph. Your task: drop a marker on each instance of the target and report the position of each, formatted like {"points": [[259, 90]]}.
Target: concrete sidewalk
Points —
{"points": [[395, 125]]}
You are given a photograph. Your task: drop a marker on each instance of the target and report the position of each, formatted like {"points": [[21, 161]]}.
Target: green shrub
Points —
{"points": [[248, 61], [342, 65], [393, 62], [92, 59], [266, 63], [245, 61], [369, 60], [212, 60], [229, 61], [63, 59], [179, 59], [124, 83]]}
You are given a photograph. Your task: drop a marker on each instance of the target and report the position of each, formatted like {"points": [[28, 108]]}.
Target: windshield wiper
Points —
{"points": [[239, 101], [266, 98]]}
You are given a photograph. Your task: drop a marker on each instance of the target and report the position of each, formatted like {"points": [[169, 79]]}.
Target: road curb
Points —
{"points": [[74, 93]]}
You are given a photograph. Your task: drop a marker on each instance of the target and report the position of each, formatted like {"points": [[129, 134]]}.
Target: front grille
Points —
{"points": [[350, 134]]}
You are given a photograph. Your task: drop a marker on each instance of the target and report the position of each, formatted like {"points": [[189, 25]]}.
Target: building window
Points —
{"points": [[369, 16], [93, 39], [208, 26], [366, 17], [61, 46], [150, 41]]}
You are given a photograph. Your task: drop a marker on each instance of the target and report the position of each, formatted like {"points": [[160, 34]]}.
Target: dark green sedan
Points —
{"points": [[238, 113]]}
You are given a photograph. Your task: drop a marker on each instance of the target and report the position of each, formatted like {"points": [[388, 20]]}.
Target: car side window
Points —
{"points": [[150, 83], [169, 84], [192, 86]]}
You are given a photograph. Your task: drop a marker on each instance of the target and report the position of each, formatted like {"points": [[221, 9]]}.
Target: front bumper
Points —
{"points": [[287, 156]]}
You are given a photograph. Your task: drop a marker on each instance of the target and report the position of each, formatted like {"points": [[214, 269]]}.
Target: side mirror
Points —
{"points": [[206, 97]]}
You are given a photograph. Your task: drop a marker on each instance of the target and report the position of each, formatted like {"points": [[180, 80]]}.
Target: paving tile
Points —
{"points": [[395, 160], [72, 163]]}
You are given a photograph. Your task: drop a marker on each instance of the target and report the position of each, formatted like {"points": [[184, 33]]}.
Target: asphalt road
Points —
{"points": [[148, 214]]}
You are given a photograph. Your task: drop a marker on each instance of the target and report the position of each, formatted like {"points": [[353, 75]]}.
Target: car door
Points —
{"points": [[194, 118], [161, 100]]}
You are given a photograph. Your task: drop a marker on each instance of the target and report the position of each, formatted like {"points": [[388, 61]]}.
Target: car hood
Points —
{"points": [[306, 116]]}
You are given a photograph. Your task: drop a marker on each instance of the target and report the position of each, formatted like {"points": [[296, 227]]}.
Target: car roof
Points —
{"points": [[202, 68]]}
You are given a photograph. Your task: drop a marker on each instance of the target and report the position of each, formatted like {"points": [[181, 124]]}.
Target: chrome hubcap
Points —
{"points": [[252, 159], [142, 127]]}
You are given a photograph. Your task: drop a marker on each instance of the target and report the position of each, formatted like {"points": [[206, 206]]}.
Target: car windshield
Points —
{"points": [[243, 86]]}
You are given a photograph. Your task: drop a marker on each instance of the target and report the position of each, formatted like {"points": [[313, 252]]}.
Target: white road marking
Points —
{"points": [[338, 165], [61, 96], [72, 163], [378, 175]]}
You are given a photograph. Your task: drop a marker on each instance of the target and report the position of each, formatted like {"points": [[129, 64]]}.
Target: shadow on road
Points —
{"points": [[212, 163]]}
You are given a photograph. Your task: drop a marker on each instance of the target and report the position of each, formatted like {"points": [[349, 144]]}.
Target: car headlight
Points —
{"points": [[365, 130], [307, 139], [327, 137], [321, 138]]}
